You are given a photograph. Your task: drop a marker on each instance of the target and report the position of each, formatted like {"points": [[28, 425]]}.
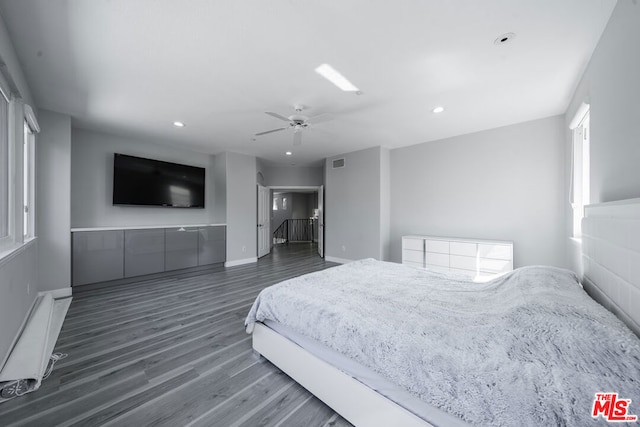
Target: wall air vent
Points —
{"points": [[338, 163]]}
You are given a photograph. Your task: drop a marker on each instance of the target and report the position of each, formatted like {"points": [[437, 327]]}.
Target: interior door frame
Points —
{"points": [[317, 189], [264, 228]]}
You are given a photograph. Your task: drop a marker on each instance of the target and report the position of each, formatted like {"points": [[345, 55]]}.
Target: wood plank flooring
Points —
{"points": [[173, 352]]}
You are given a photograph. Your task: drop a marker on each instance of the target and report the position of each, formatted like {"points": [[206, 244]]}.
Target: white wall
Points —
{"points": [[92, 182], [352, 206], [293, 176], [10, 60], [241, 207], [53, 200], [504, 184], [611, 84]]}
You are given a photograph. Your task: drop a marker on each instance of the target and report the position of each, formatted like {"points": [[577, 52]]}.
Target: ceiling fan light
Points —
{"points": [[331, 74]]}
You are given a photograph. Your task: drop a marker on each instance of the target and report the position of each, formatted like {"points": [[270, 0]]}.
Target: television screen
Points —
{"points": [[147, 182]]}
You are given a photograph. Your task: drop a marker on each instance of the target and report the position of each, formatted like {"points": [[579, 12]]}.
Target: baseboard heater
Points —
{"points": [[31, 355]]}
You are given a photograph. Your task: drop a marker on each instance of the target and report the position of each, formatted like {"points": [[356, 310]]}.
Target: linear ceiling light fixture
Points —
{"points": [[330, 73]]}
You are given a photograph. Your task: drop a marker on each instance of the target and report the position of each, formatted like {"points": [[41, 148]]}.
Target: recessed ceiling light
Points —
{"points": [[331, 74], [288, 153], [438, 110], [178, 124], [505, 38]]}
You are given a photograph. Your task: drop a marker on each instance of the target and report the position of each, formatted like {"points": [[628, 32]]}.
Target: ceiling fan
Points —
{"points": [[297, 122]]}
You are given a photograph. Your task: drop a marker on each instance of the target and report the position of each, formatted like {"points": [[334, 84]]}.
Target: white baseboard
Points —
{"points": [[58, 293], [240, 262], [338, 260]]}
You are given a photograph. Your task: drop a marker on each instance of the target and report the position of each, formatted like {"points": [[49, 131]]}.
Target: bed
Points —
{"points": [[426, 348]]}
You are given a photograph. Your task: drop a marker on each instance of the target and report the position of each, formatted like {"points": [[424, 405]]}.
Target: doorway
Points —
{"points": [[296, 214]]}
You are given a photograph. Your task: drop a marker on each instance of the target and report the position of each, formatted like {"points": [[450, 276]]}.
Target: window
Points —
{"points": [[284, 203], [4, 167], [275, 204], [28, 181], [580, 167]]}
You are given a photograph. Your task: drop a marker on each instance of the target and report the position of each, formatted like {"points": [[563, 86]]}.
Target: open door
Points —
{"points": [[264, 221], [321, 221]]}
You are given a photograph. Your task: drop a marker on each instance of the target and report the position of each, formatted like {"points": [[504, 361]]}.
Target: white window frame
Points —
{"points": [[11, 162], [6, 198], [28, 181], [31, 129], [580, 170]]}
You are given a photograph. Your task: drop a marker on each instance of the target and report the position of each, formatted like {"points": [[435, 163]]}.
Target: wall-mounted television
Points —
{"points": [[146, 182]]}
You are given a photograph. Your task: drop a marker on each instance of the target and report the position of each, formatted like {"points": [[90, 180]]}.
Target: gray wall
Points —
{"points": [[241, 207], [385, 204], [19, 272], [302, 205], [352, 206], [92, 182], [18, 289], [505, 184], [53, 200], [293, 176], [218, 167], [611, 83], [281, 214]]}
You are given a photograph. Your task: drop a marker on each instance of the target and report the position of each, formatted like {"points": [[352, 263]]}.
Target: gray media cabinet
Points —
{"points": [[102, 255]]}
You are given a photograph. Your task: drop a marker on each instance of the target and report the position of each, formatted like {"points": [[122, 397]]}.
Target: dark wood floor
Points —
{"points": [[173, 352]]}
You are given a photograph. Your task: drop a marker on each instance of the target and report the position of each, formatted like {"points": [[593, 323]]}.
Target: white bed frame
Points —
{"points": [[611, 261], [354, 401], [611, 258]]}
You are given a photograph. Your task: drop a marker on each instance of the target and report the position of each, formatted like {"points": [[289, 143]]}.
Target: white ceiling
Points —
{"points": [[133, 67]]}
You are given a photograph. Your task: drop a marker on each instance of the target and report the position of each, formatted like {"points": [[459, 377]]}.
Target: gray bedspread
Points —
{"points": [[528, 348]]}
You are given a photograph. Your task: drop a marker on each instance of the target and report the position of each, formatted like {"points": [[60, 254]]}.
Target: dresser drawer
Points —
{"points": [[412, 256], [414, 244], [496, 251], [441, 260], [437, 246], [463, 248], [412, 264], [437, 268], [463, 262], [494, 265]]}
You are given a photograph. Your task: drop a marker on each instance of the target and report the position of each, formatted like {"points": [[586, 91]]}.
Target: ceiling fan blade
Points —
{"points": [[277, 116], [324, 117], [297, 138], [270, 131]]}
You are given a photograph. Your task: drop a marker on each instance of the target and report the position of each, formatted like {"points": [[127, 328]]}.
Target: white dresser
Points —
{"points": [[472, 257]]}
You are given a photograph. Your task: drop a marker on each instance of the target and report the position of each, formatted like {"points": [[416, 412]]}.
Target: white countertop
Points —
{"points": [[144, 227]]}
